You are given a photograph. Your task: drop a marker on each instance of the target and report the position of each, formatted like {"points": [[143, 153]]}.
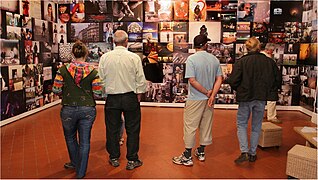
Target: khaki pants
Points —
{"points": [[197, 114], [271, 110]]}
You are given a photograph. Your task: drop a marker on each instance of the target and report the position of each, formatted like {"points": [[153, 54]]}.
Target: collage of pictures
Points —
{"points": [[34, 45]]}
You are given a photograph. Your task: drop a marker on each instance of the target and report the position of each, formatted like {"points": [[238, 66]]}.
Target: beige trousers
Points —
{"points": [[271, 110], [197, 114]]}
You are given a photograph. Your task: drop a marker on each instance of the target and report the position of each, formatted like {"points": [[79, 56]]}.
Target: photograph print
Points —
{"points": [[10, 52], [85, 32], [197, 10], [49, 11], [42, 30], [98, 11], [96, 50], [128, 10], [211, 29]]}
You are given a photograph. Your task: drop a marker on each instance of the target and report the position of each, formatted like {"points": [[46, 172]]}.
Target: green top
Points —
{"points": [[77, 95]]}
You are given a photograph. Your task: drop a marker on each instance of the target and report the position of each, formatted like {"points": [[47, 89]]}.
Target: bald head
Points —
{"points": [[120, 38]]}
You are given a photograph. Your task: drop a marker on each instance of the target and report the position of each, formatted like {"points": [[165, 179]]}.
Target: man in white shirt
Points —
{"points": [[124, 81]]}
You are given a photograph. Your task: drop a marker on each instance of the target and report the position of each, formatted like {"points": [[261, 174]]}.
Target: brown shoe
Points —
{"points": [[278, 121]]}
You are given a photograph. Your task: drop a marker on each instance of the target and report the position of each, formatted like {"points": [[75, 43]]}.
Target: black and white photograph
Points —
{"points": [[96, 50]]}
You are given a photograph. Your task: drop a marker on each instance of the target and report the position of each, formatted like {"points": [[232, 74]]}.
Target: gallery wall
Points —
{"points": [[37, 36]]}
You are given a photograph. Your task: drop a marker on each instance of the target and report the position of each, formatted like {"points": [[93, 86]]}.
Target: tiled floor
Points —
{"points": [[34, 147]]}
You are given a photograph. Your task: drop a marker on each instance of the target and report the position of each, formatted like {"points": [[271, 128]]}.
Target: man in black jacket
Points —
{"points": [[256, 79]]}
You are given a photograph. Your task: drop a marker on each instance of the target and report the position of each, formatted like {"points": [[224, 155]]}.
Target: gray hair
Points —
{"points": [[120, 37]]}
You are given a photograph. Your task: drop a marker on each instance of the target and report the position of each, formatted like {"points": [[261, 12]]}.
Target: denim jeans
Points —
{"points": [[78, 119], [244, 110], [127, 104]]}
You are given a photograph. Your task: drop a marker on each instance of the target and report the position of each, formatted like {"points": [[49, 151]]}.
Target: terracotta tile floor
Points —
{"points": [[34, 147]]}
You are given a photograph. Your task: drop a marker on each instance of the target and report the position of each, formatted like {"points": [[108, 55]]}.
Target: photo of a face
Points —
{"points": [[49, 11], [63, 13]]}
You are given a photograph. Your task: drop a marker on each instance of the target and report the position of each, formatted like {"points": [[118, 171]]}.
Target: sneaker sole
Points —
{"points": [[202, 160], [133, 167], [114, 165], [178, 163]]}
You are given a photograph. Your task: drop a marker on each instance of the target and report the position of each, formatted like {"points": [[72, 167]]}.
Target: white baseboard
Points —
{"points": [[151, 104]]}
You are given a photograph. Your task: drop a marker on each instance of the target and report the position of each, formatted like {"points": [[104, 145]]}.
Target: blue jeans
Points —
{"points": [[78, 119], [244, 110]]}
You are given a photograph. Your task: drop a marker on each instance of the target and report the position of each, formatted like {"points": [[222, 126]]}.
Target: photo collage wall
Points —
{"points": [[34, 45]]}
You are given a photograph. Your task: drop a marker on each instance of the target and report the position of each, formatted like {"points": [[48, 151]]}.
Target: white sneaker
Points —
{"points": [[182, 160], [199, 155]]}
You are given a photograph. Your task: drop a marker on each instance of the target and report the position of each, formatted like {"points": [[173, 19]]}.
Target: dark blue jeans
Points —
{"points": [[78, 119], [127, 104]]}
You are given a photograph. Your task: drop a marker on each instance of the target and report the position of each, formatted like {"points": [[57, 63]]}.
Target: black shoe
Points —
{"points": [[252, 158], [114, 162], [133, 164], [243, 157], [69, 166]]}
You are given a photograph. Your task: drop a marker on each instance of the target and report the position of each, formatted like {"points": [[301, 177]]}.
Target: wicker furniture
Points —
{"points": [[302, 162], [271, 135]]}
